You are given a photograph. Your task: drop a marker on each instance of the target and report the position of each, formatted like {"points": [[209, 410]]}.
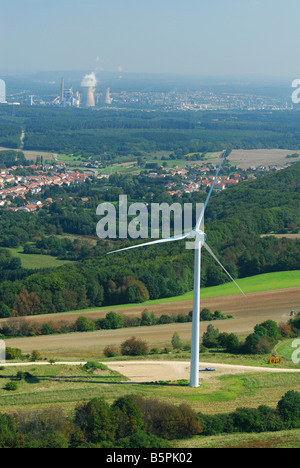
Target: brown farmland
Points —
{"points": [[262, 157], [31, 155], [247, 312]]}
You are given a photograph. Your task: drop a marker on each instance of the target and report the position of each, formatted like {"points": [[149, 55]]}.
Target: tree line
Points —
{"points": [[285, 416], [136, 422], [19, 326], [263, 339]]}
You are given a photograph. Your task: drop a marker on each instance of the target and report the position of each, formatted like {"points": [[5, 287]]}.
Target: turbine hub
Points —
{"points": [[201, 236]]}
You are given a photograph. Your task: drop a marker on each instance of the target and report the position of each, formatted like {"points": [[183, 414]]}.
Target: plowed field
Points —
{"points": [[247, 312]]}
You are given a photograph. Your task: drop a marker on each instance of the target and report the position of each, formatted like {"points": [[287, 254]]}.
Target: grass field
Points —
{"points": [[281, 439], [265, 282], [287, 349], [240, 158], [156, 158], [66, 386], [258, 157], [32, 261]]}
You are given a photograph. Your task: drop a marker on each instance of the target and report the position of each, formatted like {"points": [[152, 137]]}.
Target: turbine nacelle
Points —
{"points": [[200, 238]]}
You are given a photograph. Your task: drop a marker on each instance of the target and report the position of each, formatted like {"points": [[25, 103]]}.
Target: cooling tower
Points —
{"points": [[107, 96], [88, 97]]}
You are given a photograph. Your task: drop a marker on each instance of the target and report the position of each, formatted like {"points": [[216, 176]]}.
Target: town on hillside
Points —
{"points": [[192, 179], [23, 182]]}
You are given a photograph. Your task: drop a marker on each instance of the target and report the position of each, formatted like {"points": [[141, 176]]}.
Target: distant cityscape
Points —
{"points": [[199, 101], [90, 94]]}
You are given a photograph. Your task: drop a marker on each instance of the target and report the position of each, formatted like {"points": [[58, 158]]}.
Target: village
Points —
{"points": [[20, 182], [192, 179], [203, 181], [25, 186]]}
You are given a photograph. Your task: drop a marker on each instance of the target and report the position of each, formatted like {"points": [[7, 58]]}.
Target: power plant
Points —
{"points": [[67, 97], [86, 98]]}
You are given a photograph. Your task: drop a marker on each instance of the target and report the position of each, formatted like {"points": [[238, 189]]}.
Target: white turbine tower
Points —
{"points": [[200, 241]]}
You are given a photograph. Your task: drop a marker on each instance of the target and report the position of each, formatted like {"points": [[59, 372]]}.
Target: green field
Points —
{"points": [[66, 386], [286, 349], [156, 158], [32, 261], [265, 282], [280, 439]]}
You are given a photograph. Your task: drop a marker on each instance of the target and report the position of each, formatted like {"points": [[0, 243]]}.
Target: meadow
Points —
{"points": [[280, 439], [33, 261], [66, 386], [287, 349], [264, 282]]}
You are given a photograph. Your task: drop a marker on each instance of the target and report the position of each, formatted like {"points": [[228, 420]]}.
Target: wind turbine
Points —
{"points": [[200, 241]]}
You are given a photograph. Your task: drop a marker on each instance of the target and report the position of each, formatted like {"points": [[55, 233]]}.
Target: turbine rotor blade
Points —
{"points": [[218, 261], [159, 241], [210, 192]]}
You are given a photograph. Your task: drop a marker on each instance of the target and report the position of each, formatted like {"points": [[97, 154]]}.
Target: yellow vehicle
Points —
{"points": [[275, 360]]}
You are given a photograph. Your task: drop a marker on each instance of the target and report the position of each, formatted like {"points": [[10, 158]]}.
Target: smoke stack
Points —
{"points": [[62, 90]]}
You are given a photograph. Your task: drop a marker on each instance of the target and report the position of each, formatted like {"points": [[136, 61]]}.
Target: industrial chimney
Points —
{"points": [[62, 90]]}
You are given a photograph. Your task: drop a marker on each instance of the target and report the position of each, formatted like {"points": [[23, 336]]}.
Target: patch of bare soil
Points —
{"points": [[152, 371], [261, 157]]}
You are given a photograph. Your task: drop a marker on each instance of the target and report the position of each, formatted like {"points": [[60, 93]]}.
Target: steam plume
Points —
{"points": [[89, 81]]}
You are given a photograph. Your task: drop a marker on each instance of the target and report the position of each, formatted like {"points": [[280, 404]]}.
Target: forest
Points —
{"points": [[110, 134], [236, 219]]}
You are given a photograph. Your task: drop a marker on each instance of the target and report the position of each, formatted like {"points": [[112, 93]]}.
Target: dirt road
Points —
{"points": [[152, 371]]}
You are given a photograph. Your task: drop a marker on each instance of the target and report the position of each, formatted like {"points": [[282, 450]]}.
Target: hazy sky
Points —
{"points": [[203, 37]]}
